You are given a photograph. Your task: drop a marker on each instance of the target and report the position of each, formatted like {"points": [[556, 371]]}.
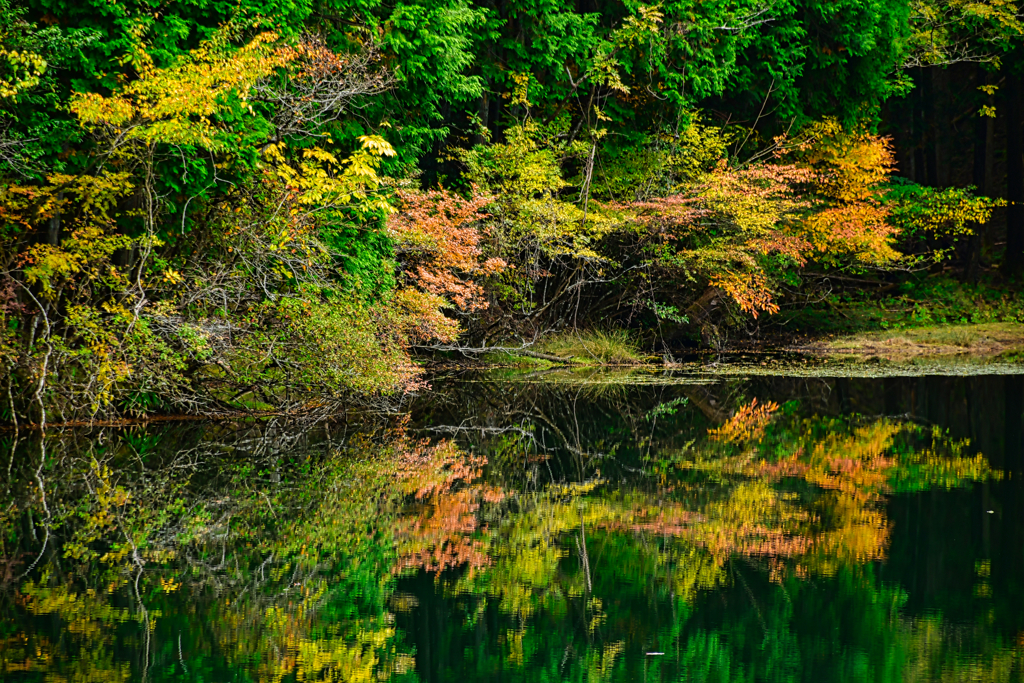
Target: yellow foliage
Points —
{"points": [[178, 105], [747, 424], [22, 68], [851, 168]]}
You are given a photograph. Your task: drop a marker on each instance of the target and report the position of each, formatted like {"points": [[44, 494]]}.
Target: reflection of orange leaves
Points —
{"points": [[428, 469], [756, 542], [443, 481], [793, 466], [449, 553], [666, 520], [856, 464], [853, 468], [492, 494], [860, 532], [747, 424], [755, 522], [776, 570], [856, 467], [438, 539], [451, 513]]}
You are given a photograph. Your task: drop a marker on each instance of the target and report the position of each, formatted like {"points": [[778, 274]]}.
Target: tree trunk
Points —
{"points": [[981, 133], [484, 113], [1014, 258], [943, 130], [700, 312], [930, 129], [53, 225], [920, 136]]}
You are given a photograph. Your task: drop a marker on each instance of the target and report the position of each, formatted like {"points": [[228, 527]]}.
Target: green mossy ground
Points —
{"points": [[923, 300], [979, 340]]}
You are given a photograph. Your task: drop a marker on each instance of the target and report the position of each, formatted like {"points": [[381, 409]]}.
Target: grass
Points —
{"points": [[599, 379], [964, 337], [593, 347], [985, 339]]}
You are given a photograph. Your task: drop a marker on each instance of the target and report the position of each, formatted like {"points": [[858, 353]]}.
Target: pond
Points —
{"points": [[630, 526]]}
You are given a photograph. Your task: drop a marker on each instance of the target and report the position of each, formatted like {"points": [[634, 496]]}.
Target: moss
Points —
{"points": [[987, 339], [921, 301]]}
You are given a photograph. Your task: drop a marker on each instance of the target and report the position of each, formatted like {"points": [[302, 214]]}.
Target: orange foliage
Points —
{"points": [[850, 170], [748, 289], [728, 220], [824, 204], [437, 238]]}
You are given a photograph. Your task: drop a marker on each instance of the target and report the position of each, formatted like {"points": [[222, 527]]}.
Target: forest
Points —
{"points": [[211, 207]]}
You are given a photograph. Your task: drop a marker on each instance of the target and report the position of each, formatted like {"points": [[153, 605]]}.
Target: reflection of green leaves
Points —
{"points": [[142, 442], [294, 550], [667, 408], [298, 550]]}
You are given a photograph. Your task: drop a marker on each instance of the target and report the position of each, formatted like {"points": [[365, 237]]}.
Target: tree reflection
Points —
{"points": [[737, 549]]}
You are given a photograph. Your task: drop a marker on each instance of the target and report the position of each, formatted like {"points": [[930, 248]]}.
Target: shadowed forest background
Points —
{"points": [[208, 207]]}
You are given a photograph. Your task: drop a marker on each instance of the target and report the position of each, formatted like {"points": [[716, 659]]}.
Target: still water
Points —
{"points": [[626, 527]]}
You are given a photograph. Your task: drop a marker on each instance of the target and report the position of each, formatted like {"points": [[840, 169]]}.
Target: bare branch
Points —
{"points": [[326, 85]]}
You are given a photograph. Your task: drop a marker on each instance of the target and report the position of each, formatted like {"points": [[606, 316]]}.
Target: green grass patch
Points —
{"points": [[985, 339], [593, 347]]}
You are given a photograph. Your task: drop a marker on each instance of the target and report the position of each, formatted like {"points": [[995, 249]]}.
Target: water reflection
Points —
{"points": [[765, 529]]}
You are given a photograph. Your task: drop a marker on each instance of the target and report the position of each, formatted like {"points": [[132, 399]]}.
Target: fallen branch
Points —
{"points": [[546, 356], [520, 350]]}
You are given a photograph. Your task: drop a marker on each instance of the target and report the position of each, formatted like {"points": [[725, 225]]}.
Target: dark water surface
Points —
{"points": [[623, 528]]}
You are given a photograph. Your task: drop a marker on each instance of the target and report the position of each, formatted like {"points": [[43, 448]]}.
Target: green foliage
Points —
{"points": [[948, 32], [177, 181], [593, 532], [289, 290], [937, 214], [324, 345], [323, 590], [532, 225], [921, 300]]}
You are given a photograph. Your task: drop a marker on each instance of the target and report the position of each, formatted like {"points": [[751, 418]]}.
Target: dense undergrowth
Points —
{"points": [[278, 208], [924, 300]]}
